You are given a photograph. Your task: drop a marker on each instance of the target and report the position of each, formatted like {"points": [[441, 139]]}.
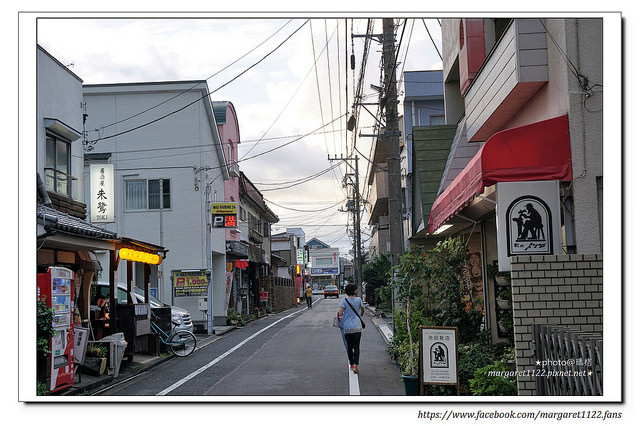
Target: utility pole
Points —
{"points": [[353, 205], [392, 136]]}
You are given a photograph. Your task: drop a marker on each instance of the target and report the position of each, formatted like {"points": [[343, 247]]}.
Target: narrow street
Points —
{"points": [[296, 353]]}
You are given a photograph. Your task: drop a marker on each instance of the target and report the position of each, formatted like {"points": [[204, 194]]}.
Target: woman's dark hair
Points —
{"points": [[350, 289]]}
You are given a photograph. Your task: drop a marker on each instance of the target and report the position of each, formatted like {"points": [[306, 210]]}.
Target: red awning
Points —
{"points": [[539, 151], [242, 264]]}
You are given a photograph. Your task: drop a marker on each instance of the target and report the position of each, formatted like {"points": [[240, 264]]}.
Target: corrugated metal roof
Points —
{"points": [[431, 145], [423, 83]]}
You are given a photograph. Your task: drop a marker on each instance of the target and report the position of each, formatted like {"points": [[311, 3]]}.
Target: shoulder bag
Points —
{"points": [[357, 314]]}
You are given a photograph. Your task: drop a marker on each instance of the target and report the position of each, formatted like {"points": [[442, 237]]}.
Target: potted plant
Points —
{"points": [[233, 317], [95, 360], [504, 299], [506, 324], [501, 278]]}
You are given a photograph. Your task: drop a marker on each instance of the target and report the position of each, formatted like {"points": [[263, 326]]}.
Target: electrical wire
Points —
{"points": [[583, 81], [305, 211], [432, 41], [302, 181], [290, 99], [195, 85], [206, 95]]}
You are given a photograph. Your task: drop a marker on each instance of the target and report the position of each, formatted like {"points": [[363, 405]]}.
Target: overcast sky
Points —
{"points": [[281, 98]]}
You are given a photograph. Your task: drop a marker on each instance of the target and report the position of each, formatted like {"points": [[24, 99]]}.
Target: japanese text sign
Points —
{"points": [[102, 193]]}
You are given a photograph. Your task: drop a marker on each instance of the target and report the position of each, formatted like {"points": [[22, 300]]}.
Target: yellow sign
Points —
{"points": [[223, 208], [189, 283]]}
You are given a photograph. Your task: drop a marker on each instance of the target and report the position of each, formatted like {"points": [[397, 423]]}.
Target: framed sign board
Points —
{"points": [[438, 356]]}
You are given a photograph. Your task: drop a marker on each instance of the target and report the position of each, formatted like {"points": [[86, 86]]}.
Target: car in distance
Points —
{"points": [[331, 290]]}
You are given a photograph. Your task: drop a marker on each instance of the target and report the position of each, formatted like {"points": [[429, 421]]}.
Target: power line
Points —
{"points": [[290, 99], [301, 181], [432, 41], [305, 211], [206, 95], [195, 85]]}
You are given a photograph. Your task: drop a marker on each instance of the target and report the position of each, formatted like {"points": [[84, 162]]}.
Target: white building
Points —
{"points": [[163, 143], [325, 264]]}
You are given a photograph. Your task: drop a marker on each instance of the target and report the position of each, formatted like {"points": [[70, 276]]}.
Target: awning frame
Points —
{"points": [[535, 152]]}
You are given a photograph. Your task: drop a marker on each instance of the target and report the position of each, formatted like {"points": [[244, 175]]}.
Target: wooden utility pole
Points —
{"points": [[392, 136]]}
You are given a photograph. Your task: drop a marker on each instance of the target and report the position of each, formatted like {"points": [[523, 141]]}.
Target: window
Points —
{"points": [[58, 165], [437, 120], [146, 194], [323, 261]]}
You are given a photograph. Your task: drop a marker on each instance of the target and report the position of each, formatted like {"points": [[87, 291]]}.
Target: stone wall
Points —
{"points": [[561, 290]]}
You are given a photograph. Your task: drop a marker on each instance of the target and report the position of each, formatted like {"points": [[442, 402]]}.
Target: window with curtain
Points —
{"points": [[147, 194]]}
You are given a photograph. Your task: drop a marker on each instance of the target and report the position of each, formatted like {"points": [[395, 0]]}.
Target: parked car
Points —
{"points": [[179, 316], [331, 290]]}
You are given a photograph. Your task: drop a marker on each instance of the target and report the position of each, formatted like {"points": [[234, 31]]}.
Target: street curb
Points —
{"points": [[78, 389], [381, 325], [107, 380]]}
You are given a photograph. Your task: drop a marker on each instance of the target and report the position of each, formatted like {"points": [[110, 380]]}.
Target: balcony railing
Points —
{"points": [[59, 182]]}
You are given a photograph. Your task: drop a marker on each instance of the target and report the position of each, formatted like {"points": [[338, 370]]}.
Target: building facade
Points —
{"points": [[163, 143], [324, 264], [522, 176], [254, 221]]}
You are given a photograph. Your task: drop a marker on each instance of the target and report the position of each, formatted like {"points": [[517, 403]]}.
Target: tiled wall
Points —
{"points": [[553, 289]]}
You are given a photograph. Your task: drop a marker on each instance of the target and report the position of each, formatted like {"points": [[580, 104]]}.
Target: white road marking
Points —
{"points": [[354, 383], [220, 358]]}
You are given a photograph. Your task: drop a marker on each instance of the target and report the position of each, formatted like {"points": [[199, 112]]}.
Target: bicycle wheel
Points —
{"points": [[182, 343]]}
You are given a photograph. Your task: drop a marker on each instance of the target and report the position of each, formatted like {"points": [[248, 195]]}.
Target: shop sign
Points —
{"points": [[324, 271], [528, 220], [102, 193], [439, 355], [301, 256], [189, 283], [224, 215]]}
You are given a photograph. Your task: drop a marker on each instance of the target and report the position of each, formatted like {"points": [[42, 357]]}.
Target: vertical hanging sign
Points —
{"points": [[528, 220], [102, 193]]}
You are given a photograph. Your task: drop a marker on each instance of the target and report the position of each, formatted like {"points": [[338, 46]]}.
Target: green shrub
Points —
{"points": [[233, 315], [96, 350], [486, 383], [475, 355], [44, 322]]}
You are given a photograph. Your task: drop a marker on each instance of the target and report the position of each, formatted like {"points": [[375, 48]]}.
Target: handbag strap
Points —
{"points": [[354, 309], [351, 306]]}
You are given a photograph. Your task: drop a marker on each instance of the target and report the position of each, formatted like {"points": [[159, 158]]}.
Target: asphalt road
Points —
{"points": [[291, 355]]}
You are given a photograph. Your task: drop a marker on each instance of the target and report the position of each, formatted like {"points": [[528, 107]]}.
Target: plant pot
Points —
{"points": [[504, 304], [410, 385], [94, 366], [502, 281]]}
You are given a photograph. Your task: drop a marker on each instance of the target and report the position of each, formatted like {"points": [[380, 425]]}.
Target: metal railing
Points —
{"points": [[568, 361], [59, 182]]}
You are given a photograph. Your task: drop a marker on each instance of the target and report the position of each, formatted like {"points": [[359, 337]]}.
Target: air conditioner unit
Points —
{"points": [[234, 170]]}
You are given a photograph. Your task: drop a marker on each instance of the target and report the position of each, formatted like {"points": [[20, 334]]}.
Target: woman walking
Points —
{"points": [[350, 312]]}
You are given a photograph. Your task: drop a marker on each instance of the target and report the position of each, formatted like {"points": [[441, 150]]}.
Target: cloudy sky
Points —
{"points": [[284, 96]]}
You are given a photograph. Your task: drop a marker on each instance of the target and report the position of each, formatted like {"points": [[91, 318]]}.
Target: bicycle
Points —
{"points": [[181, 342]]}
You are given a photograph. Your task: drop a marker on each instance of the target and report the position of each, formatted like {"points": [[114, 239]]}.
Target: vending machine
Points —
{"points": [[56, 286]]}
